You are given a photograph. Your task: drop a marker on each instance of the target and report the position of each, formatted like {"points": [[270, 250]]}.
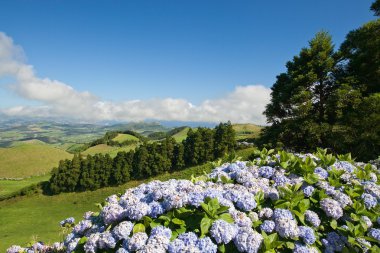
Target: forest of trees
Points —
{"points": [[329, 98], [148, 159]]}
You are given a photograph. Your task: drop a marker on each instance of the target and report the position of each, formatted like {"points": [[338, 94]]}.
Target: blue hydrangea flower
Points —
{"points": [[248, 240], [312, 218], [246, 202], [343, 199], [267, 226], [265, 213], [333, 242], [282, 213], [332, 208], [322, 173], [106, 241], [155, 209], [308, 191], [189, 238], [137, 241], [196, 198], [266, 171], [367, 221], [343, 165], [374, 233], [222, 231], [82, 226], [369, 200], [15, 249], [307, 234], [122, 250], [161, 230], [280, 180], [112, 213], [136, 212], [301, 248], [122, 230], [286, 227], [206, 245], [91, 245], [68, 221]]}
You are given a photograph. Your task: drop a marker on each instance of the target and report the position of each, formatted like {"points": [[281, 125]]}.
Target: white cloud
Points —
{"points": [[244, 104]]}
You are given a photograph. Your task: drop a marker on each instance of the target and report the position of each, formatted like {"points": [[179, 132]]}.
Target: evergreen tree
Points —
{"points": [[299, 99]]}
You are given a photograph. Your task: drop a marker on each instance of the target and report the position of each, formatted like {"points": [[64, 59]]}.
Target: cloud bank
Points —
{"points": [[244, 104]]}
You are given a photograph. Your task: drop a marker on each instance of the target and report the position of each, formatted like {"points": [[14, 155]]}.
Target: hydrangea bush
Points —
{"points": [[280, 202]]}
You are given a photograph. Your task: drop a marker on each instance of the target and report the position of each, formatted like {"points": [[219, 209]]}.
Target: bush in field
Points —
{"points": [[280, 202]]}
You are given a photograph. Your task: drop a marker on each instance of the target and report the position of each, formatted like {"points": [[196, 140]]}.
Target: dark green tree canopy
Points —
{"points": [[375, 7]]}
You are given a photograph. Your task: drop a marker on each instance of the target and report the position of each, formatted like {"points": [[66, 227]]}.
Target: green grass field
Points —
{"points": [[246, 131], [29, 158], [37, 217], [180, 136], [7, 187], [125, 137]]}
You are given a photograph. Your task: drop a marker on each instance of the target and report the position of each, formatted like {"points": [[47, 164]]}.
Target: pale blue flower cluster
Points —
{"points": [[223, 232], [332, 208], [307, 234], [267, 226], [189, 242], [113, 229], [369, 200], [68, 221], [308, 191]]}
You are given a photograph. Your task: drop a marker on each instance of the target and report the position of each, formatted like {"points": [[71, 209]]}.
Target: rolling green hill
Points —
{"points": [[180, 136], [29, 158], [246, 131], [125, 137]]}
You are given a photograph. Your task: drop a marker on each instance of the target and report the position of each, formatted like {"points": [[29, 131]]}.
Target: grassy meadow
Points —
{"points": [[30, 158], [180, 136], [125, 137], [246, 131]]}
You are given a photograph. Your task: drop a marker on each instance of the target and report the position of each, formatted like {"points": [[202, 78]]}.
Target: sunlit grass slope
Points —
{"points": [[29, 158], [246, 131], [125, 137]]}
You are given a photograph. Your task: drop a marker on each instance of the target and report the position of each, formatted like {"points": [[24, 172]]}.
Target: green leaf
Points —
{"points": [[333, 224], [213, 205], [221, 248], [178, 221], [139, 227], [226, 217], [290, 245], [205, 225], [223, 209]]}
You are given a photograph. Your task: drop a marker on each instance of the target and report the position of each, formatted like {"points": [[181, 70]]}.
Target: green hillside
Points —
{"points": [[125, 137], [180, 136], [29, 158], [246, 131]]}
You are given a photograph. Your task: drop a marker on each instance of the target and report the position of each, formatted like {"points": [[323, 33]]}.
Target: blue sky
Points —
{"points": [[196, 51]]}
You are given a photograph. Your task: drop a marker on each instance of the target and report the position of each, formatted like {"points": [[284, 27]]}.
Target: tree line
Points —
{"points": [[149, 159], [330, 98]]}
